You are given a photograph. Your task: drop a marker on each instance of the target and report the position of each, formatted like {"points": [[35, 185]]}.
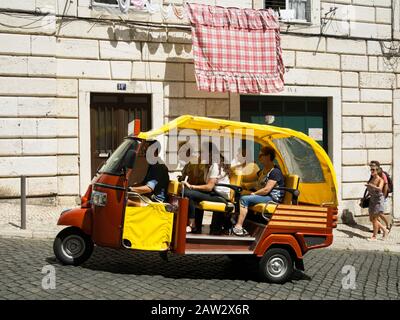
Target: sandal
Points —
{"points": [[190, 229], [385, 235], [372, 239], [240, 232]]}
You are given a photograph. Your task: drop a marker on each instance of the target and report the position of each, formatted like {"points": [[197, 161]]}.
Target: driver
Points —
{"points": [[155, 183]]}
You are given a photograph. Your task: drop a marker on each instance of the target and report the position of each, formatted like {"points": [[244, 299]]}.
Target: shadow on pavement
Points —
{"points": [[361, 227], [352, 234], [206, 267]]}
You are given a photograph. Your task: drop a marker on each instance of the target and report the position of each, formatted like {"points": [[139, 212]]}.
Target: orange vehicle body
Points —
{"points": [[296, 227], [280, 234]]}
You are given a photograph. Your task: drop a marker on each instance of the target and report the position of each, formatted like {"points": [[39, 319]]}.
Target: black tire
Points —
{"points": [[72, 246], [276, 266]]}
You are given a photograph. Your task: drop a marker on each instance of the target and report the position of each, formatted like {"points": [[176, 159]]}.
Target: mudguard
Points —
{"points": [[279, 239], [77, 217]]}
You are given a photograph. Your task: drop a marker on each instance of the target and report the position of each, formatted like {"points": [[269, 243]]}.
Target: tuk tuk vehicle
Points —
{"points": [[280, 233]]}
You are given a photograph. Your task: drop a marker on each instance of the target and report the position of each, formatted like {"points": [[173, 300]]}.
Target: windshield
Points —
{"points": [[300, 159], [115, 163]]}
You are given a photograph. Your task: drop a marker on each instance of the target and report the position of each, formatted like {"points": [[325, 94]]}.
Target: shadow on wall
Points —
{"points": [[179, 42]]}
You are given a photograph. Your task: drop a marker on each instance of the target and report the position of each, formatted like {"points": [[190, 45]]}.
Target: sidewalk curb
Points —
{"points": [[379, 247], [28, 234]]}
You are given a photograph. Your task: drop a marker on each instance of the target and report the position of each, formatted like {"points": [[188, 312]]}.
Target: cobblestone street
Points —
{"points": [[111, 274]]}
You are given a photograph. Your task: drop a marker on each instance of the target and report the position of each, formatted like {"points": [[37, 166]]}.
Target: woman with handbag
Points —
{"points": [[376, 202]]}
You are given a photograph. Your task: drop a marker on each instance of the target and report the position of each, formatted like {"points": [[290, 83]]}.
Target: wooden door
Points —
{"points": [[109, 118]]}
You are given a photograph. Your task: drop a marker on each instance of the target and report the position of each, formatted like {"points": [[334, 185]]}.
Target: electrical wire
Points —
{"points": [[26, 26], [155, 25]]}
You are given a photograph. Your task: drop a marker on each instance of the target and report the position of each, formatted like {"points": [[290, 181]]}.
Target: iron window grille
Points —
{"points": [[113, 3]]}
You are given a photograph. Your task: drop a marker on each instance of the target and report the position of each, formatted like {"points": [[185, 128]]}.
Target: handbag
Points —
{"points": [[364, 202]]}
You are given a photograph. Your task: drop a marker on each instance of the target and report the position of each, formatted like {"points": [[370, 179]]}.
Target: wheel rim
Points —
{"points": [[277, 266], [73, 246]]}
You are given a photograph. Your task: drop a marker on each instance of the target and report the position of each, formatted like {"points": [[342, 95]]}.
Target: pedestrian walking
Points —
{"points": [[387, 187], [376, 203]]}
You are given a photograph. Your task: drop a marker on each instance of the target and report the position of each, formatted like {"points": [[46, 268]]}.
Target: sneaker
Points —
{"points": [[240, 232]]}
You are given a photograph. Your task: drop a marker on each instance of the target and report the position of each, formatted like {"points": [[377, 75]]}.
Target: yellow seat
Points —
{"points": [[235, 180], [173, 187], [291, 182], [264, 207], [249, 176], [216, 206]]}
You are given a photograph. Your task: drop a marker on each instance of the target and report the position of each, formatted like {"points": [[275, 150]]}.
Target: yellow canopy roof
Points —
{"points": [[294, 149]]}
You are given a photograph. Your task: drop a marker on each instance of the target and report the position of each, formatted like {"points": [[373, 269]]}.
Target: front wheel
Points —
{"points": [[72, 246], [276, 265]]}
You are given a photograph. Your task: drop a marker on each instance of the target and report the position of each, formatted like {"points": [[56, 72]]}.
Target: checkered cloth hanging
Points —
{"points": [[236, 50]]}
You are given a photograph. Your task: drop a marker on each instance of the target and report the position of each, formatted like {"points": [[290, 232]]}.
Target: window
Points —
{"points": [[291, 10], [105, 2], [300, 159], [120, 157]]}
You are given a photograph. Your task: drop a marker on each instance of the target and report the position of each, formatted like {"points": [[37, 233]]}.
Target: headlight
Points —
{"points": [[99, 198]]}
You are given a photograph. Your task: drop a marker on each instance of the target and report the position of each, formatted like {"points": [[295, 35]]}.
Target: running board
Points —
{"points": [[221, 237], [219, 252], [218, 247]]}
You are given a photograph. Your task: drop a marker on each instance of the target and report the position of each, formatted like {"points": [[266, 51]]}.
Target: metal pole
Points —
{"points": [[23, 202]]}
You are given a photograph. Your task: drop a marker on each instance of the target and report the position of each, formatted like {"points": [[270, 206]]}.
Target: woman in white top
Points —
{"points": [[216, 172]]}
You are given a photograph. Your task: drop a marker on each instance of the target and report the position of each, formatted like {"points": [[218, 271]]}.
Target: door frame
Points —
{"points": [[86, 87], [117, 106], [334, 114]]}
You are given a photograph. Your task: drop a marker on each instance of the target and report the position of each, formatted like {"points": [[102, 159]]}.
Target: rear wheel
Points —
{"points": [[276, 266], [72, 246]]}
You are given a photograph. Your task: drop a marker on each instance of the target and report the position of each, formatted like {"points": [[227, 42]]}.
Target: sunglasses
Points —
{"points": [[372, 170]]}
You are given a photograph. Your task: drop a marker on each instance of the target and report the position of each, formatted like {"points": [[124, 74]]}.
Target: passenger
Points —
{"points": [[239, 161], [216, 171], [192, 169], [269, 177], [155, 183]]}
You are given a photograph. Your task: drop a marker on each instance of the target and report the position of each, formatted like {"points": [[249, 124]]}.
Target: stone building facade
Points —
{"points": [[54, 54]]}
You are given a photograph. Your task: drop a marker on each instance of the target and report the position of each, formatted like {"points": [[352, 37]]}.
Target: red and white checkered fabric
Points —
{"points": [[236, 50]]}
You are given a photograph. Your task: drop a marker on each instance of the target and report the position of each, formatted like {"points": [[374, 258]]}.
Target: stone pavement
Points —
{"points": [[126, 274], [42, 224]]}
